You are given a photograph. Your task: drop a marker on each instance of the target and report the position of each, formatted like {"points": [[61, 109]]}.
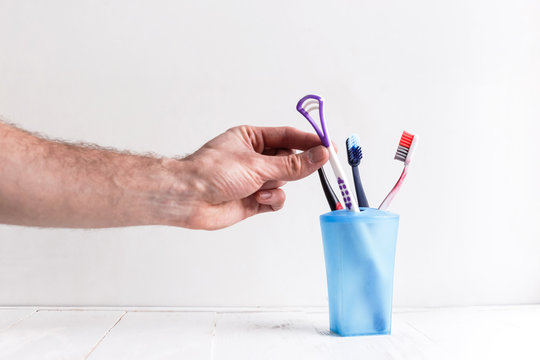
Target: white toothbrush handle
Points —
{"points": [[344, 188]]}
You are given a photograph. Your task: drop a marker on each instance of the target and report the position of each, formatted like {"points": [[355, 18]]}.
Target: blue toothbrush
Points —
{"points": [[354, 155]]}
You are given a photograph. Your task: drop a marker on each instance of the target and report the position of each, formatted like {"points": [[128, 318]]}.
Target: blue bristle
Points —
{"points": [[354, 151]]}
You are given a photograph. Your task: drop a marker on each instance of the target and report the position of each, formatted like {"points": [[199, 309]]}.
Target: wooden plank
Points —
{"points": [[405, 342], [56, 334], [268, 335], [11, 316], [452, 333], [297, 335], [480, 333], [524, 318], [159, 335]]}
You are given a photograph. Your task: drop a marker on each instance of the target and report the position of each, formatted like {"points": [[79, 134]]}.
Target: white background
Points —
{"points": [[167, 76]]}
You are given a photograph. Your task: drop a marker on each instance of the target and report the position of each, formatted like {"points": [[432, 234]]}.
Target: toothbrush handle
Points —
{"points": [[388, 199], [344, 187], [360, 194], [331, 197]]}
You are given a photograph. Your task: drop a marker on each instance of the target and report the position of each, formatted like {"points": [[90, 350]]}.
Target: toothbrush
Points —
{"points": [[331, 197], [354, 155], [404, 153], [325, 139]]}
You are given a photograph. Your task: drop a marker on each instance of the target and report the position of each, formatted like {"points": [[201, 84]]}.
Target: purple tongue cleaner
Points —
{"points": [[348, 199]]}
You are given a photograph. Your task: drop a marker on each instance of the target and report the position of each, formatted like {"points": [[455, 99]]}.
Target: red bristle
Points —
{"points": [[406, 139]]}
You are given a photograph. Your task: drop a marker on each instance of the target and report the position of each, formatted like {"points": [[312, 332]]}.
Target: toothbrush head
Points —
{"points": [[406, 146], [354, 151]]}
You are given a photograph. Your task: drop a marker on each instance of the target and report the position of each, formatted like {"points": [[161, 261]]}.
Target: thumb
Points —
{"points": [[296, 166]]}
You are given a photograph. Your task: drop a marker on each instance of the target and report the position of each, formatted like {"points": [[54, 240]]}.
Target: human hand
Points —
{"points": [[240, 173]]}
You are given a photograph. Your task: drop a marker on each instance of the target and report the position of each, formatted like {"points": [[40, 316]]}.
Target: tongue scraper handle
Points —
{"points": [[344, 187]]}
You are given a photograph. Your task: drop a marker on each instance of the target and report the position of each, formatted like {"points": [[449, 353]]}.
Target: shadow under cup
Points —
{"points": [[359, 252]]}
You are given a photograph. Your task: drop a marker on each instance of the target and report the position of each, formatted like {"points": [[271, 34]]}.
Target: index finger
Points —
{"points": [[287, 137]]}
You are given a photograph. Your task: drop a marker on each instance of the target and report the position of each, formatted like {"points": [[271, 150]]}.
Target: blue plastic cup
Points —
{"points": [[359, 252]]}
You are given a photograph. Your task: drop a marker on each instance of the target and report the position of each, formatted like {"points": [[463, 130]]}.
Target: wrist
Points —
{"points": [[177, 193]]}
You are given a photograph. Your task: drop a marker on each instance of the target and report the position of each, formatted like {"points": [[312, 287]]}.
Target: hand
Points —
{"points": [[240, 173]]}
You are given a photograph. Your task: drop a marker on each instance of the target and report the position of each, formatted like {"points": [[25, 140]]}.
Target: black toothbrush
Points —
{"points": [[331, 197]]}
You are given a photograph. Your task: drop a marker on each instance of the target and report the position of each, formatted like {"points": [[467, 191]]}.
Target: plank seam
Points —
{"points": [[104, 335], [213, 339], [19, 320]]}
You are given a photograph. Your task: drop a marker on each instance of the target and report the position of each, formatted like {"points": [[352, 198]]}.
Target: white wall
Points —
{"points": [[165, 76]]}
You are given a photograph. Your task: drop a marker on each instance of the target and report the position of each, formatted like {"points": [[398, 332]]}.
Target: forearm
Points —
{"points": [[53, 184]]}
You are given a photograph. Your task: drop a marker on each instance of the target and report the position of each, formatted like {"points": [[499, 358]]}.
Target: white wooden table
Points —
{"points": [[511, 332]]}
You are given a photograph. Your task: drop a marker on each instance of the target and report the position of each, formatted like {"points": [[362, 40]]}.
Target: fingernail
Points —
{"points": [[265, 194], [316, 154]]}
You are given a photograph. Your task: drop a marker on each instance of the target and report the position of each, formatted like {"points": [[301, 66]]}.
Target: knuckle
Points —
{"points": [[294, 165], [288, 133], [249, 135], [289, 130], [238, 128]]}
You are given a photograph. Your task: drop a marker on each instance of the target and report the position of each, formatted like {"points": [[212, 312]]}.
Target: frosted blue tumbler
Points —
{"points": [[359, 252]]}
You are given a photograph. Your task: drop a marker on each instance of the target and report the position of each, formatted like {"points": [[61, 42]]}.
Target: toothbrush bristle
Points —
{"points": [[404, 146], [406, 139], [354, 151]]}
